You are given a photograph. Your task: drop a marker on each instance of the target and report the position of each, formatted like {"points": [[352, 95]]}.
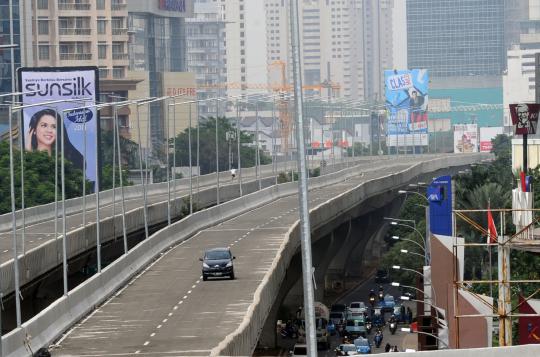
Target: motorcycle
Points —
{"points": [[369, 326], [393, 327], [372, 300], [378, 339], [288, 332]]}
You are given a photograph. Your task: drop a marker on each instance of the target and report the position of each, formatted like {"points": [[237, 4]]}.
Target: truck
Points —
{"points": [[322, 315]]}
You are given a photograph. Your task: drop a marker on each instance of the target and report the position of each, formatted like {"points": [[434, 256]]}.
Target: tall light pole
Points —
{"points": [[305, 241]]}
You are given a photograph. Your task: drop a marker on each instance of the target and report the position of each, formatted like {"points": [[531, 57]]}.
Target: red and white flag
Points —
{"points": [[492, 229]]}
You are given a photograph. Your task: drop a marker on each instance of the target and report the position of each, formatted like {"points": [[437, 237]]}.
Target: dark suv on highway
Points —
{"points": [[217, 262]]}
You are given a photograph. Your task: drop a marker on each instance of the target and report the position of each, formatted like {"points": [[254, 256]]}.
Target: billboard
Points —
{"points": [[41, 123], [465, 138], [486, 135], [524, 118], [406, 94], [439, 195]]}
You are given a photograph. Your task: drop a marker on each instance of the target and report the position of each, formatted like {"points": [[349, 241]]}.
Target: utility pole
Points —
{"points": [[305, 233]]}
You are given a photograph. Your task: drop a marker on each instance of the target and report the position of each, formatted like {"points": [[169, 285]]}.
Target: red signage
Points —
{"points": [[524, 118], [486, 146]]}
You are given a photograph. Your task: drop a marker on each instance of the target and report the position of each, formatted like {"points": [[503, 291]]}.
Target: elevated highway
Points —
{"points": [[165, 309], [43, 234]]}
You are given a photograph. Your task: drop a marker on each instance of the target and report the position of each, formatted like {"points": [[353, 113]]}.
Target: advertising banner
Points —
{"points": [[465, 138], [42, 123], [524, 118], [407, 102], [439, 195], [486, 135]]}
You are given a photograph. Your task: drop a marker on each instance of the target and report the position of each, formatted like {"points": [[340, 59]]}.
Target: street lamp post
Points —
{"points": [[410, 241], [405, 251], [427, 218], [426, 258]]}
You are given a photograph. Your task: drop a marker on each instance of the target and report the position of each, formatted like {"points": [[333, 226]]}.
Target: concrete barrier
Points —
{"points": [[521, 351], [63, 313], [243, 341], [43, 213]]}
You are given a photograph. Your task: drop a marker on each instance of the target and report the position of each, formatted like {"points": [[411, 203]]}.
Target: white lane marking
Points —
{"points": [[146, 343], [137, 352], [194, 286], [165, 320], [158, 326], [5, 251], [170, 314], [185, 297], [152, 334], [180, 302], [189, 292], [175, 308]]}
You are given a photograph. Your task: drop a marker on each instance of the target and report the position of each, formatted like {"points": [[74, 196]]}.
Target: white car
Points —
{"points": [[299, 349], [357, 308]]}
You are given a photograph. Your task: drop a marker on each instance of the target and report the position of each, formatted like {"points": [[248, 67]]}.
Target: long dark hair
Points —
{"points": [[70, 152]]}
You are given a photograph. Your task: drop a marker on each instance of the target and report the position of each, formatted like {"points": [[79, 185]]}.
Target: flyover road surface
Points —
{"points": [[39, 233], [168, 310]]}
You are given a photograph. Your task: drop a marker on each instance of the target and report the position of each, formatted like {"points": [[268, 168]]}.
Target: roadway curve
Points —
{"points": [[168, 310]]}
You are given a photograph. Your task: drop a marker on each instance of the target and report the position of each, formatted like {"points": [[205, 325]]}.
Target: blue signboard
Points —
{"points": [[406, 93], [439, 195]]}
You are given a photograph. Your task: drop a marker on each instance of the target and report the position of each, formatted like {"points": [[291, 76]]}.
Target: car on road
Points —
{"points": [[381, 276], [363, 346], [338, 318], [339, 308], [387, 304], [357, 308], [346, 349], [300, 349], [356, 327], [217, 262]]}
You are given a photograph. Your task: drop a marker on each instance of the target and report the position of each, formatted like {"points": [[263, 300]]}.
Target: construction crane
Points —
{"points": [[278, 84]]}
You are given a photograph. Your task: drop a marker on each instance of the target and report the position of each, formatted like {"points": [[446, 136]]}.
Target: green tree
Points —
{"points": [[207, 147], [39, 170], [129, 151]]}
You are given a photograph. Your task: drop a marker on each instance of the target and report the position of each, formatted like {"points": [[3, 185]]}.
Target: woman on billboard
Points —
{"points": [[43, 132]]}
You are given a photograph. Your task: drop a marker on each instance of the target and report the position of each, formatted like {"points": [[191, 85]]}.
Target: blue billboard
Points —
{"points": [[439, 195], [406, 93]]}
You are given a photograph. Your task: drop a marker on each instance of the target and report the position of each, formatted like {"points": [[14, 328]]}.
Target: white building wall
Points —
{"points": [[518, 81]]}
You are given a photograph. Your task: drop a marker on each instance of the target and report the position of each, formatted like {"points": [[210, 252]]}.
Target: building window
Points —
{"points": [[44, 52], [100, 4], [43, 27], [43, 4], [102, 51], [101, 26]]}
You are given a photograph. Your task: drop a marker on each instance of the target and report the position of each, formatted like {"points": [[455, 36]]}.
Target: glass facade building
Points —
{"points": [[453, 38], [157, 46], [6, 76]]}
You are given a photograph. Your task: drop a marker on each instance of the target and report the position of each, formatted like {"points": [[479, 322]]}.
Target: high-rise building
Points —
{"points": [[519, 78], [86, 33], [234, 15], [456, 38], [329, 39], [377, 44], [348, 43], [7, 71], [157, 58], [205, 39]]}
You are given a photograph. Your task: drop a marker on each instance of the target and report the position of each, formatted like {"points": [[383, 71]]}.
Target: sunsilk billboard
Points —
{"points": [[69, 89]]}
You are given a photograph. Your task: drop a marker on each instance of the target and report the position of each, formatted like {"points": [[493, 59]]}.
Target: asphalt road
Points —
{"points": [[39, 233], [168, 310]]}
